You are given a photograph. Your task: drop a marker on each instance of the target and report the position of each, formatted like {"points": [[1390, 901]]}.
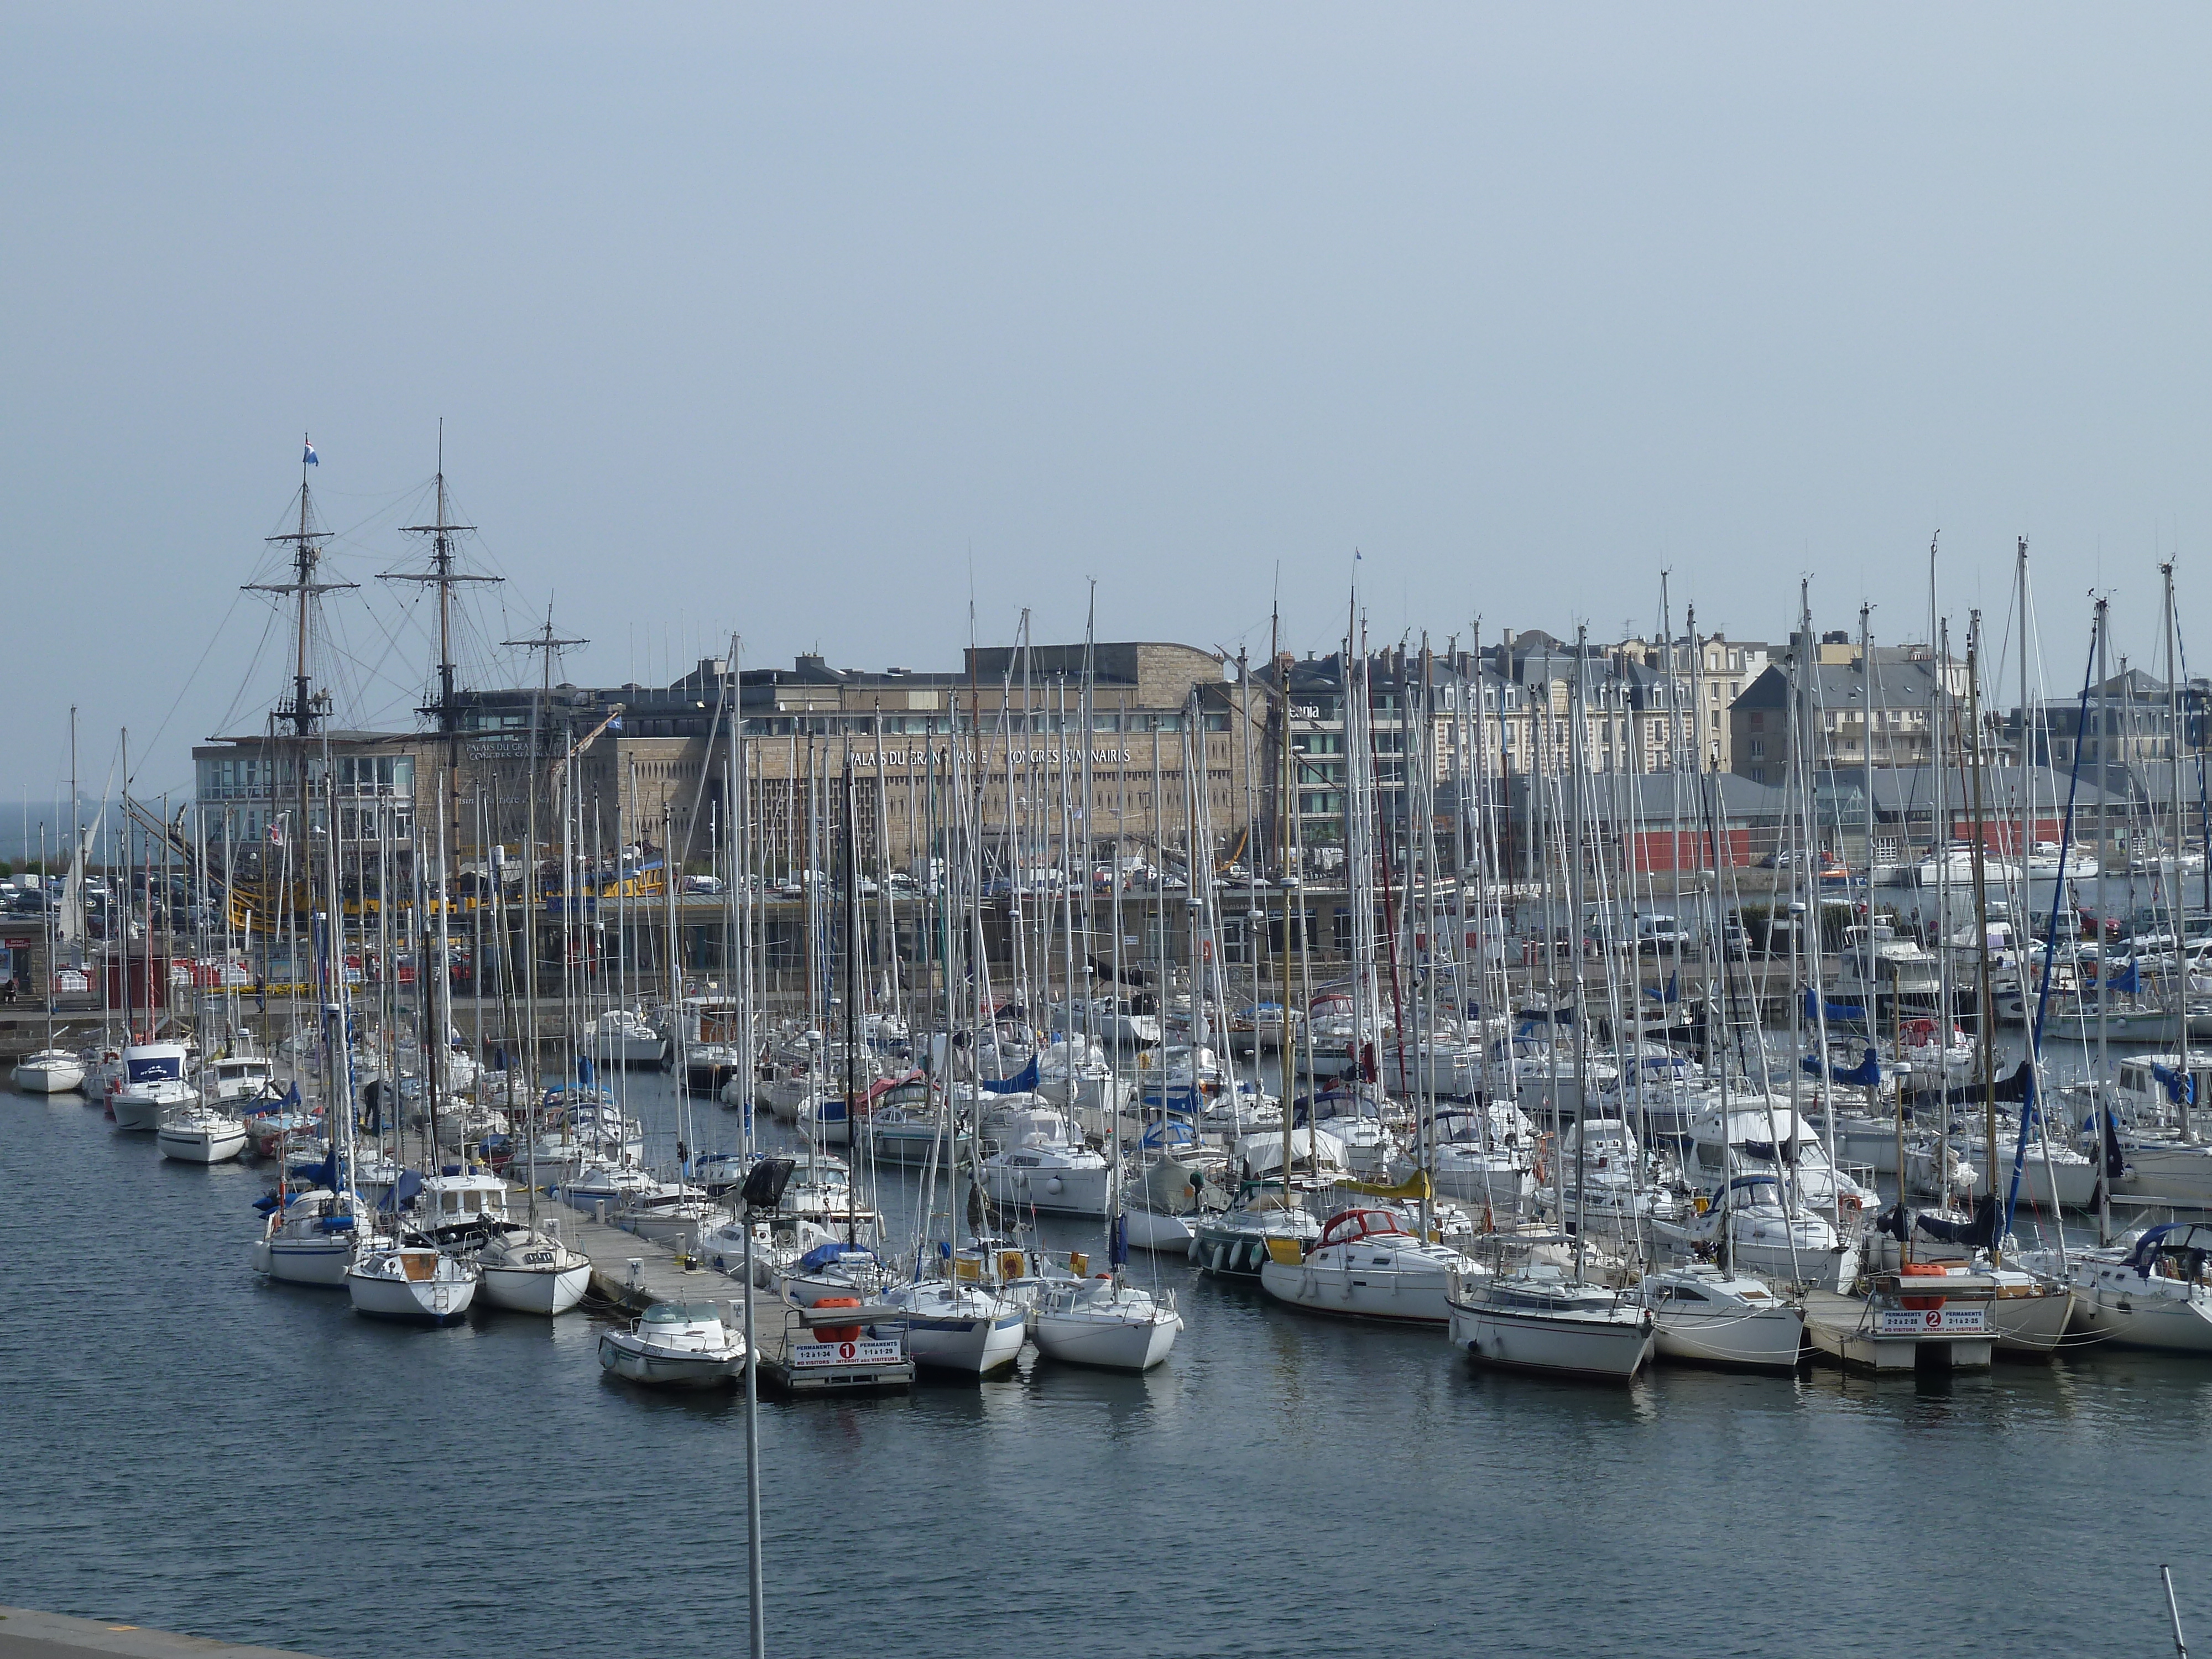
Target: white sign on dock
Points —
{"points": [[1971, 1319], [846, 1353]]}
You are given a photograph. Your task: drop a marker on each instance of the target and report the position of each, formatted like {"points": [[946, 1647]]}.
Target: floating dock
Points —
{"points": [[634, 1272], [25, 1634], [1869, 1337]]}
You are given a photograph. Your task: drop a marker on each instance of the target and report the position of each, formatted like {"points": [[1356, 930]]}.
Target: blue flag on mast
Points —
{"points": [[308, 459]]}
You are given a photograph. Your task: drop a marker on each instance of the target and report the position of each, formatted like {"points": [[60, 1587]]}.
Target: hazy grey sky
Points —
{"points": [[796, 321]]}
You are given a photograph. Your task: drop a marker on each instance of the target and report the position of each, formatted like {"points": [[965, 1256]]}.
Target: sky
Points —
{"points": [[856, 328]]}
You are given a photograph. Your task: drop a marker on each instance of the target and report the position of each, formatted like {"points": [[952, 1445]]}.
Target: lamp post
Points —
{"points": [[763, 1190]]}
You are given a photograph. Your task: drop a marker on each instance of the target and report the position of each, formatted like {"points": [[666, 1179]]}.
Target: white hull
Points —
{"points": [[1130, 1344], [196, 1146], [2076, 1181], [136, 1115], [1819, 1270], [436, 1299], [2149, 1321], [906, 1144], [1058, 1191], [2032, 1324], [667, 1370], [304, 1262], [973, 1344], [537, 1289], [1151, 1230], [1767, 1339], [42, 1074], [1611, 1349], [1363, 1293], [2183, 1172]]}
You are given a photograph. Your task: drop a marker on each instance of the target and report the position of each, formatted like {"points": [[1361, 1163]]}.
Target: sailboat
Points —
{"points": [[1542, 1318], [530, 1269], [1105, 1321], [52, 1071]]}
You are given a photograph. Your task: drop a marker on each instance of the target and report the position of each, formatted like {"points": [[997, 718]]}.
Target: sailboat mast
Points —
{"points": [[2173, 893]]}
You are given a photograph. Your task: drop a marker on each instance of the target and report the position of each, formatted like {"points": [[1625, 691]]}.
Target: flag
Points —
{"points": [[276, 832], [308, 459], [615, 725]]}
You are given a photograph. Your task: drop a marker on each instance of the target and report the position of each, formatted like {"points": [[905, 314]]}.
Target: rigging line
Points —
{"points": [[238, 698], [208, 651]]}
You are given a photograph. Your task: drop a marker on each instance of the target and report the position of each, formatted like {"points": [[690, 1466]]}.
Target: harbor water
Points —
{"points": [[187, 1447]]}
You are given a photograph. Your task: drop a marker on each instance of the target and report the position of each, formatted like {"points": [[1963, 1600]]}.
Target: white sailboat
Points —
{"points": [[198, 1133], [48, 1072], [2153, 1294], [310, 1240], [1709, 1317], [1105, 1323], [1366, 1264], [532, 1270], [956, 1327], [1540, 1320], [410, 1281]]}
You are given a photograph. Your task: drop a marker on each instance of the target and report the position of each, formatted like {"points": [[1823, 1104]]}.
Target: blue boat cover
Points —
{"points": [[1867, 1074], [827, 1255], [1844, 1010], [2181, 1091], [1023, 1082]]}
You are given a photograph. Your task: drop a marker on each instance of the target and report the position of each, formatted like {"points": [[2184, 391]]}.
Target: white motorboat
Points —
{"points": [[152, 1086], [828, 1268], [1764, 1136], [675, 1345], [310, 1241], [600, 1180], [674, 1213], [907, 1132], [2155, 1293], [410, 1281], [1750, 1224], [623, 1036], [460, 1209], [49, 1071], [1709, 1317], [531, 1270], [200, 1135], [1104, 1323], [234, 1077], [1366, 1264], [1542, 1320], [956, 1327]]}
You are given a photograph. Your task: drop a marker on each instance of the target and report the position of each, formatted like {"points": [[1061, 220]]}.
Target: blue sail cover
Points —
{"points": [[1850, 1011], [2128, 980], [1673, 993], [2181, 1091], [829, 1256], [1867, 1074], [1023, 1082]]}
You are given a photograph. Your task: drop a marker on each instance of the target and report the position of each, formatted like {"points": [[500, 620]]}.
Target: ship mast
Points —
{"points": [[308, 707], [442, 707]]}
